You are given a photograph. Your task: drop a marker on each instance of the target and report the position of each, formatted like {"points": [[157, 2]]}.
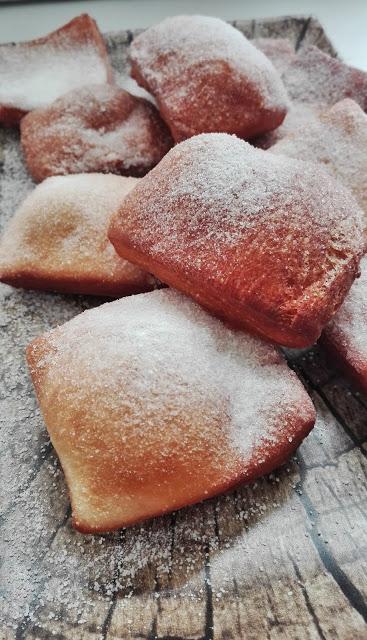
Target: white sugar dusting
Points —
{"points": [[57, 578], [34, 76], [37, 78], [61, 228], [314, 81], [214, 191], [131, 86], [173, 355], [315, 77], [166, 51], [348, 329], [279, 50], [337, 139], [96, 128]]}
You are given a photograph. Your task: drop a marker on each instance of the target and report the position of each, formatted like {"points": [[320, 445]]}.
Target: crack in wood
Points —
{"points": [[331, 465], [209, 614], [238, 619], [172, 546], [32, 476], [107, 621], [307, 600], [302, 34], [333, 410], [358, 443], [350, 591]]}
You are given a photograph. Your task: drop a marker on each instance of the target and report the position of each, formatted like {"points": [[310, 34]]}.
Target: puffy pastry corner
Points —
{"points": [[57, 239], [270, 243], [345, 338], [34, 73], [152, 404], [207, 77], [96, 128]]}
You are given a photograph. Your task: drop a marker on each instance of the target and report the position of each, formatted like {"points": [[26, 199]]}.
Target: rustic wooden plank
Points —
{"points": [[293, 28], [316, 36], [313, 364], [325, 494], [348, 408], [26, 535], [327, 441]]}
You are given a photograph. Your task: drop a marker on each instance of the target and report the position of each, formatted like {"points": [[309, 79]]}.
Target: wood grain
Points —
{"points": [[282, 559]]}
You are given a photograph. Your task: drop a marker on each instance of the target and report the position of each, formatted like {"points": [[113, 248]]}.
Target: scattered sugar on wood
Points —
{"points": [[15, 183]]}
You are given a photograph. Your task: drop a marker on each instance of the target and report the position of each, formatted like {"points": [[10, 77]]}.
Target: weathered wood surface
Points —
{"points": [[284, 558]]}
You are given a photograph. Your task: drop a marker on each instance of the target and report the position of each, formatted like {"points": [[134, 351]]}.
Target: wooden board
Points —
{"points": [[284, 558]]}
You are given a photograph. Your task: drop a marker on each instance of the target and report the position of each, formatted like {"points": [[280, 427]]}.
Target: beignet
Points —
{"points": [[57, 240], [268, 242], [314, 77], [153, 404], [206, 76], [337, 139], [99, 128], [280, 51], [33, 74], [314, 81], [345, 337]]}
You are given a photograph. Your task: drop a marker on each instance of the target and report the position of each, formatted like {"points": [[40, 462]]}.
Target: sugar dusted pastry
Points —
{"points": [[97, 128], [314, 77], [57, 240], [314, 81], [33, 74], [280, 51], [337, 139], [153, 404], [206, 76], [268, 242], [345, 337]]}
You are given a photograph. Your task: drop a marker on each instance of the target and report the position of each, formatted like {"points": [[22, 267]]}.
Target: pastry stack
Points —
{"points": [[225, 212]]}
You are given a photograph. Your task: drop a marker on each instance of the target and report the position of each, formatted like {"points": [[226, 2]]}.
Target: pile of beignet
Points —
{"points": [[164, 398]]}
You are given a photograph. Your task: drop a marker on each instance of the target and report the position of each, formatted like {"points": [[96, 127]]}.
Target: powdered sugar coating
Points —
{"points": [[346, 335], [314, 81], [255, 236], [57, 239], [337, 139], [279, 50], [314, 77], [177, 404], [33, 74], [97, 128], [206, 76]]}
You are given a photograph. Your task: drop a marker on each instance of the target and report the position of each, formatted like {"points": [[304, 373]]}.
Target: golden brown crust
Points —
{"points": [[142, 427], [57, 240], [82, 30], [271, 246], [206, 77]]}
